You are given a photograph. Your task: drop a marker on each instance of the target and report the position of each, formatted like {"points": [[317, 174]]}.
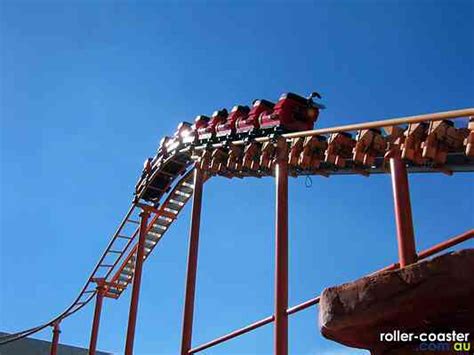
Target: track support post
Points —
{"points": [[403, 216], [132, 316], [55, 341], [281, 249], [101, 289], [191, 271]]}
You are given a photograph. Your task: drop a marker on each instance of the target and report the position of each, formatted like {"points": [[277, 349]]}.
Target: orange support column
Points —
{"points": [[132, 316], [55, 342], [101, 289], [188, 312], [403, 217], [281, 253]]}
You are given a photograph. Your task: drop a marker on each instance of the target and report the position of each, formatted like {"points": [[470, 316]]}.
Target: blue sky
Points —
{"points": [[89, 88]]}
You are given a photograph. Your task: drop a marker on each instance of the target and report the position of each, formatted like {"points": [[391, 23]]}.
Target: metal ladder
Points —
{"points": [[156, 228]]}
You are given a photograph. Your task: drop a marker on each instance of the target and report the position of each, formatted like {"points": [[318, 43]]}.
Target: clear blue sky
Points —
{"points": [[89, 88]]}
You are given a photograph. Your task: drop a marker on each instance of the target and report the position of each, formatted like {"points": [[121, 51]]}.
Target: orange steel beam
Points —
{"points": [[191, 271], [446, 244], [314, 301], [255, 325], [101, 289], [436, 248], [132, 317], [233, 334], [55, 342], [403, 215], [281, 257]]}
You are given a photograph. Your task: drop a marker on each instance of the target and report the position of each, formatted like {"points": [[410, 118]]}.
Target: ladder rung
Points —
{"points": [[182, 193], [157, 228], [163, 222], [167, 214], [166, 173], [124, 237], [180, 196], [106, 265], [175, 202], [151, 242], [127, 271], [185, 189], [115, 251], [155, 235], [89, 291], [133, 221], [170, 210], [156, 189]]}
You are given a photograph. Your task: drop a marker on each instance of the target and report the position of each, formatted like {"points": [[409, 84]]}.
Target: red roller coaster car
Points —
{"points": [[228, 128], [208, 129], [292, 113], [251, 122]]}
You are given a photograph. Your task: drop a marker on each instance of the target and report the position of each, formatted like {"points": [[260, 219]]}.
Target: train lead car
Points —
{"points": [[291, 113]]}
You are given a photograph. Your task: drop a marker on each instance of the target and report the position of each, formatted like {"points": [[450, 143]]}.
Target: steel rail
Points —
{"points": [[157, 171], [389, 122], [70, 310], [379, 124], [314, 301]]}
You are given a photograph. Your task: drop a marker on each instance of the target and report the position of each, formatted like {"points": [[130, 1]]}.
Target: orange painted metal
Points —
{"points": [[233, 334], [403, 215], [55, 341], [281, 255], [191, 271], [446, 244], [101, 290], [132, 317]]}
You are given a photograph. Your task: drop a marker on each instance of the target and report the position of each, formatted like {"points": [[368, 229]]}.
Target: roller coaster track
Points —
{"points": [[326, 155]]}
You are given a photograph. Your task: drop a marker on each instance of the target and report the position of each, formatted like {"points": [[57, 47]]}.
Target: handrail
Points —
{"points": [[387, 122], [390, 122]]}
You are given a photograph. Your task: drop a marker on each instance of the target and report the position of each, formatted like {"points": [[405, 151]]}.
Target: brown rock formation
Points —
{"points": [[435, 295]]}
